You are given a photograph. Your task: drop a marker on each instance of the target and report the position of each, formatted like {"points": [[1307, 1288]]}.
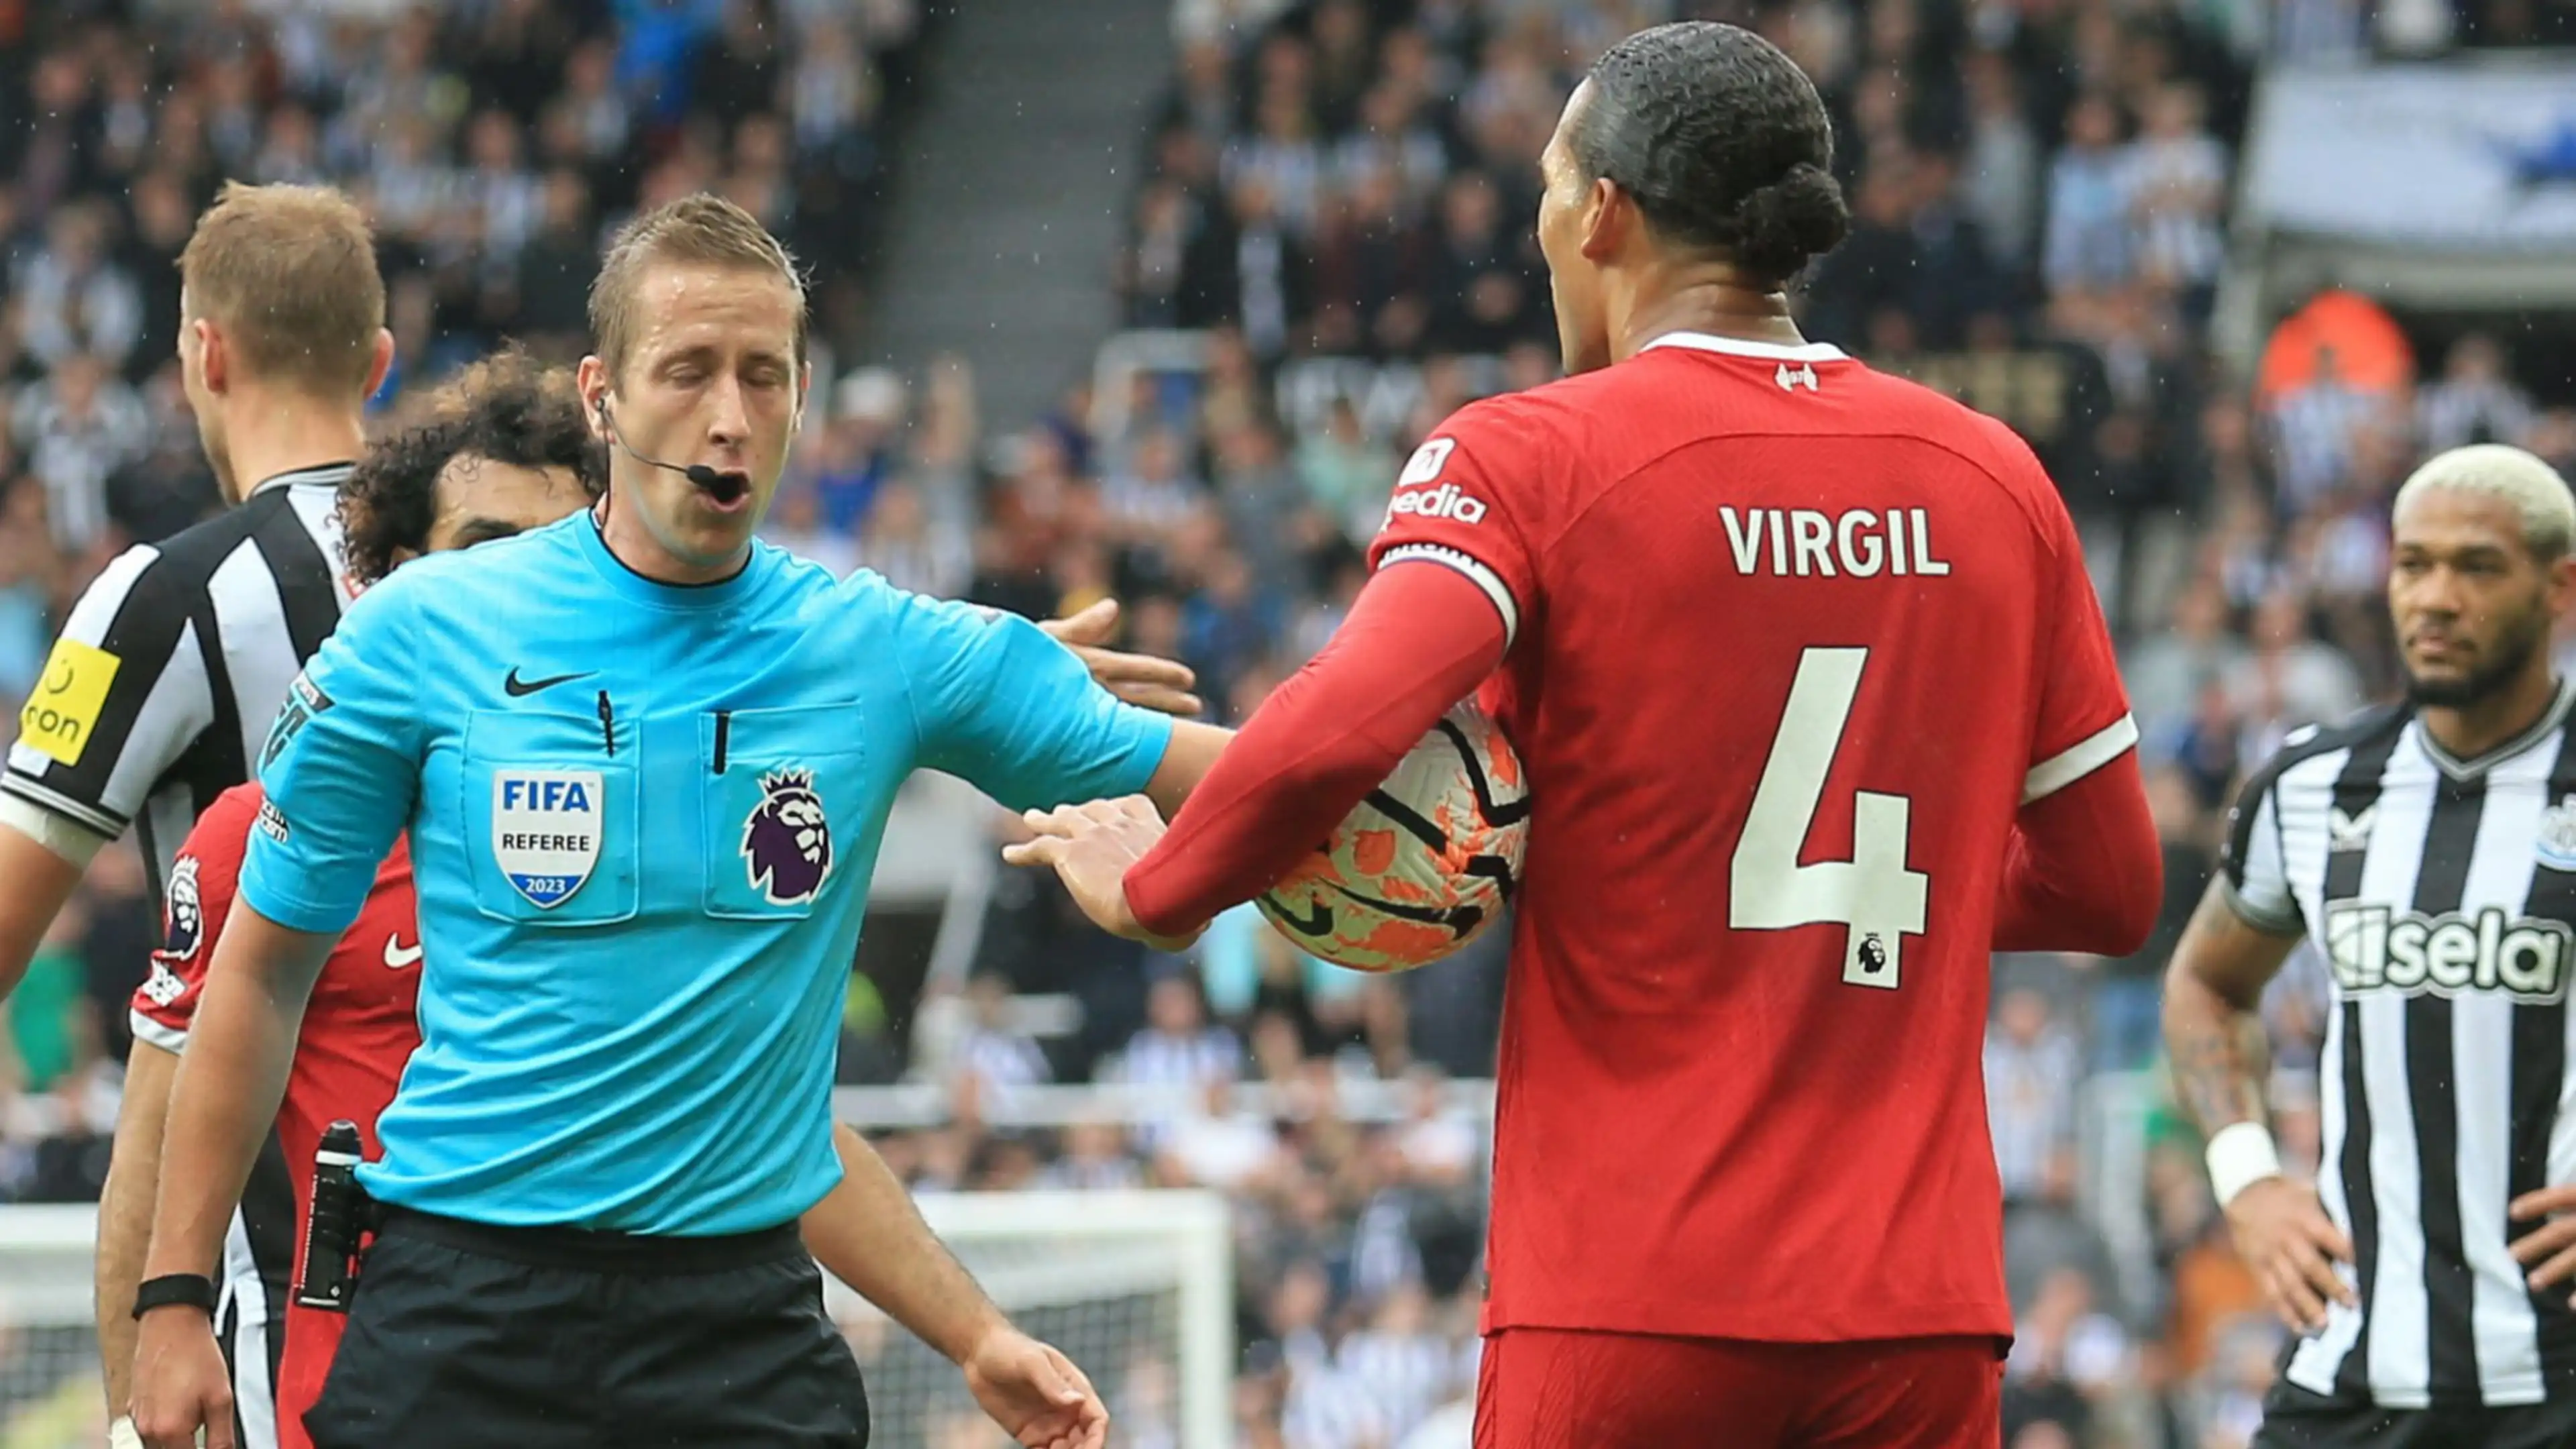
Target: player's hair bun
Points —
{"points": [[1780, 227]]}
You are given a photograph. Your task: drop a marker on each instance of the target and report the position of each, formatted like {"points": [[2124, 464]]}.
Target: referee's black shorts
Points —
{"points": [[555, 1338]]}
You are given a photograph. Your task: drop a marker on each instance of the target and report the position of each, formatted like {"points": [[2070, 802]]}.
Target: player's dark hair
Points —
{"points": [[1722, 142], [507, 408]]}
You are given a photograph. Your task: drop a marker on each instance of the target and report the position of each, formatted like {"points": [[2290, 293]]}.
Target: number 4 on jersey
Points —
{"points": [[1873, 895]]}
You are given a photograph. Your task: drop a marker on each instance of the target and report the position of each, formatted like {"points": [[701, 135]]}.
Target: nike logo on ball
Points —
{"points": [[520, 688], [396, 957], [1318, 920]]}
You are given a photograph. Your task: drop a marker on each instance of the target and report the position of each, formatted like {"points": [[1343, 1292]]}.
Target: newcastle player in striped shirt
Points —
{"points": [[172, 665], [2428, 848]]}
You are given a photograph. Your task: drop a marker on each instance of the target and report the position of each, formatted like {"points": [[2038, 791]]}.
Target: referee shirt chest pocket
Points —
{"points": [[783, 789], [550, 811]]}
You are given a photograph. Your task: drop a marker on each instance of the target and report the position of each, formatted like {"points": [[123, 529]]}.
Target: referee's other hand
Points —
{"points": [[1034, 1392], [179, 1382], [1144, 680]]}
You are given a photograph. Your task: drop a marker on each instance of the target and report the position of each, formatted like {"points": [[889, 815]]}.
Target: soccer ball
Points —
{"points": [[1423, 865]]}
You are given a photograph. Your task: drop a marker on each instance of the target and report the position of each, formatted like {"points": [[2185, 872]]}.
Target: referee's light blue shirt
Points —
{"points": [[643, 822]]}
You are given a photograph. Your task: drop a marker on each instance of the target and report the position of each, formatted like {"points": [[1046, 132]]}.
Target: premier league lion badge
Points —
{"points": [[787, 843], [186, 921]]}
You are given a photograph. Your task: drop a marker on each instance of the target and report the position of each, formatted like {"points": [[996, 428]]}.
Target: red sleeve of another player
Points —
{"points": [[1418, 641], [2083, 709], [1472, 498], [199, 898]]}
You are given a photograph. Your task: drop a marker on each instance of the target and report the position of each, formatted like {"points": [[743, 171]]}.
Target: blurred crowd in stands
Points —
{"points": [[1337, 198]]}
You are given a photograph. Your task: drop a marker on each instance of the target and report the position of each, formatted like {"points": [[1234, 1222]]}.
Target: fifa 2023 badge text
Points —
{"points": [[545, 830]]}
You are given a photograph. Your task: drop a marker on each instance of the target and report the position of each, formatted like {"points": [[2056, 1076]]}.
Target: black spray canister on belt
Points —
{"points": [[323, 1278]]}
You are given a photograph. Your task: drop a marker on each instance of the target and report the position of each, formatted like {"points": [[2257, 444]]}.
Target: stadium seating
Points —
{"points": [[1329, 248]]}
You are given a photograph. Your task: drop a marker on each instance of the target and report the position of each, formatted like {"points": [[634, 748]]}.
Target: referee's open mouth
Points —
{"points": [[728, 492]]}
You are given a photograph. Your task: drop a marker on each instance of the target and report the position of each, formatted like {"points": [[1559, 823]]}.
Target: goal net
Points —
{"points": [[1135, 1287]]}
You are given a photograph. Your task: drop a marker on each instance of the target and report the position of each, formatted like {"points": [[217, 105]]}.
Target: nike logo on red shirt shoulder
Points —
{"points": [[396, 957]]}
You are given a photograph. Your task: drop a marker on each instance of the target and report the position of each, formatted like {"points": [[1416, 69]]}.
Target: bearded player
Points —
{"points": [[1817, 709]]}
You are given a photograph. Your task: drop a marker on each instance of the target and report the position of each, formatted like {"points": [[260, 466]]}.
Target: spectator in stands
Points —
{"points": [[993, 1051], [2032, 1065], [2474, 402]]}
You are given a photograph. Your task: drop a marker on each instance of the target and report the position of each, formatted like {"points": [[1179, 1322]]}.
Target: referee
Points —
{"points": [[172, 664], [2428, 848], [645, 763]]}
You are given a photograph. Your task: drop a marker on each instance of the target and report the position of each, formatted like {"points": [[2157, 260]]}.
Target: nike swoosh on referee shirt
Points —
{"points": [[396, 957], [519, 688]]}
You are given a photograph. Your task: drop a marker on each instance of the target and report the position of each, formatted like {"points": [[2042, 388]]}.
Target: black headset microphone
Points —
{"points": [[721, 486]]}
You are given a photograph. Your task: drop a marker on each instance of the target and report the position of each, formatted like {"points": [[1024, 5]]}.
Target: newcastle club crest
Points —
{"points": [[787, 843]]}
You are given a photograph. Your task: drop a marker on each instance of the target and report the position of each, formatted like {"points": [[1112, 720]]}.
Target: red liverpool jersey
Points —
{"points": [[1792, 641], [359, 1029]]}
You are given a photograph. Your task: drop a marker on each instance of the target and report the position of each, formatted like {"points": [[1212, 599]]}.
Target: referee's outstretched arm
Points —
{"points": [[227, 1091], [869, 1235]]}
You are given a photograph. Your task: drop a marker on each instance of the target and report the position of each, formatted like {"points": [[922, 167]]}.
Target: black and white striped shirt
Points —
{"points": [[2442, 894], [165, 680]]}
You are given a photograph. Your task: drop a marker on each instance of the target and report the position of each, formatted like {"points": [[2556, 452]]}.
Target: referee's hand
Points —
{"points": [[1034, 1392], [2283, 1234], [179, 1382], [1143, 680]]}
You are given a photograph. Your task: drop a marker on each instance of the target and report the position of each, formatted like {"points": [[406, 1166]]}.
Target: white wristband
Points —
{"points": [[122, 1435], [2241, 1155]]}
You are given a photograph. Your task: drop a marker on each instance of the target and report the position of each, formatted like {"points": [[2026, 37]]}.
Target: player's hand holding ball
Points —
{"points": [[1091, 846], [1035, 1393], [2283, 1234], [180, 1385]]}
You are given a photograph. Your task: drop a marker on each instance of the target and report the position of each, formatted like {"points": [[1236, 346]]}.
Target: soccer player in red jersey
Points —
{"points": [[1817, 709]]}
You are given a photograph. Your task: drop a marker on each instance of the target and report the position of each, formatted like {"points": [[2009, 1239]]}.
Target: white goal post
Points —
{"points": [[1136, 1287]]}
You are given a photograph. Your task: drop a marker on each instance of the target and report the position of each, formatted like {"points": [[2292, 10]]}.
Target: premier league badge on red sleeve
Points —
{"points": [[787, 842], [185, 922]]}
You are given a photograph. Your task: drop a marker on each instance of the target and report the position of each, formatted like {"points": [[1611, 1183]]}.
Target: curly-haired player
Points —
{"points": [[501, 449]]}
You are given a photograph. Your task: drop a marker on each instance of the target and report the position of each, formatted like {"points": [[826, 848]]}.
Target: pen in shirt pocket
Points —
{"points": [[607, 724]]}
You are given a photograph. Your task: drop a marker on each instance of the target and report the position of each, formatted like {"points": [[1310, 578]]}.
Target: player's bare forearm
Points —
{"points": [[240, 1046], [125, 1214], [869, 1234], [1186, 761], [2213, 1012], [35, 881]]}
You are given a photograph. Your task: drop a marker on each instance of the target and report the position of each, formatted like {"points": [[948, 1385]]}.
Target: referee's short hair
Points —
{"points": [[701, 228], [506, 408], [2512, 476], [289, 273]]}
